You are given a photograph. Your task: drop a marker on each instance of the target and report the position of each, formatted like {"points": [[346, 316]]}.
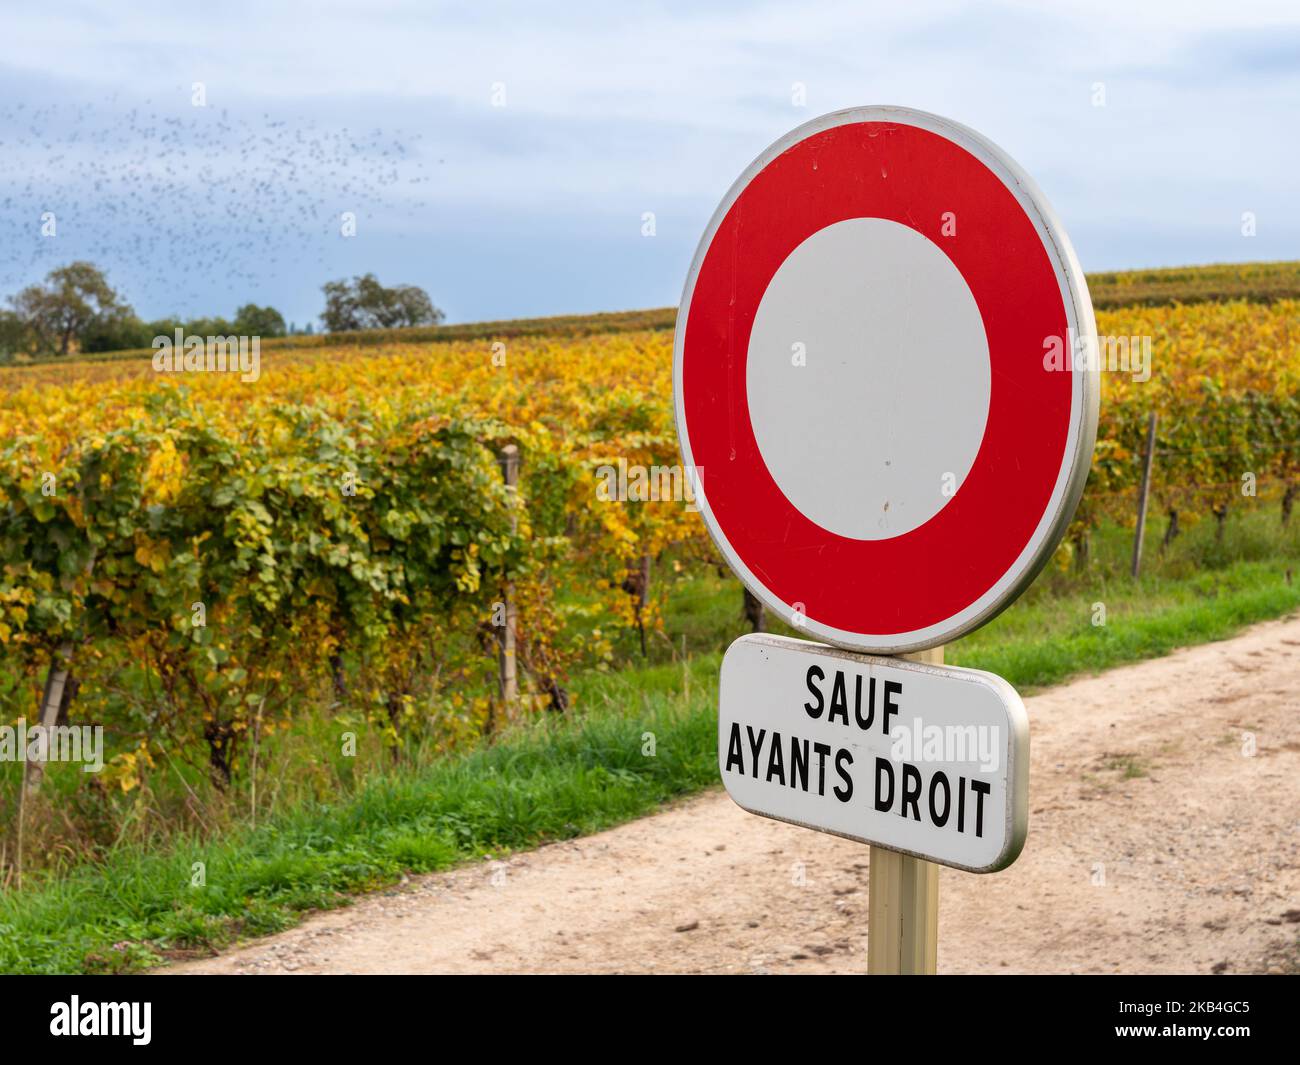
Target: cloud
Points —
{"points": [[386, 109]]}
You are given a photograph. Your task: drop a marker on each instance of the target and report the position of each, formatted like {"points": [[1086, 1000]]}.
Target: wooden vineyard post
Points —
{"points": [[508, 670], [903, 901], [1143, 494], [52, 698]]}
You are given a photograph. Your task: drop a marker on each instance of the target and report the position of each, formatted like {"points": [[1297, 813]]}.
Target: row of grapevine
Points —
{"points": [[214, 554], [1225, 385]]}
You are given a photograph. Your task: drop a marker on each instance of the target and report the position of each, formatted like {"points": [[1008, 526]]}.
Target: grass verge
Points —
{"points": [[547, 782]]}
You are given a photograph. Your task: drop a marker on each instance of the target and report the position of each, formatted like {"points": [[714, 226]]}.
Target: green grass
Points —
{"points": [[1202, 588], [1128, 766], [564, 777], [1041, 644], [541, 783]]}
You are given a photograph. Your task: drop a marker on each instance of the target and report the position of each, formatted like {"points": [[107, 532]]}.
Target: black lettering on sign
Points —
{"points": [[885, 772], [821, 750], [735, 753], [937, 789], [864, 723], [980, 788], [839, 700], [940, 818], [892, 688], [775, 760], [755, 745], [911, 790], [843, 758], [838, 710], [815, 712], [798, 763]]}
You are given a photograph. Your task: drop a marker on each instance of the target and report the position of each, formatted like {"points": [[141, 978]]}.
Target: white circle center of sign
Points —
{"points": [[868, 378]]}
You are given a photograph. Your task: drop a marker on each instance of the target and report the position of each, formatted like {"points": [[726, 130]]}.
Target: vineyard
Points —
{"points": [[1225, 386], [200, 562], [1251, 282], [200, 556]]}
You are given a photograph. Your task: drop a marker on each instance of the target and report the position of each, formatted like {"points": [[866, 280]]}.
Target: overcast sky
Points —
{"points": [[611, 110]]}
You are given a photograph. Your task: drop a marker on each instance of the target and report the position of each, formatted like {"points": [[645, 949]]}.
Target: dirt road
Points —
{"points": [[1164, 836]]}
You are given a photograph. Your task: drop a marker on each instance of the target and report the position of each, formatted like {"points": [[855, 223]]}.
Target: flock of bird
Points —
{"points": [[175, 204]]}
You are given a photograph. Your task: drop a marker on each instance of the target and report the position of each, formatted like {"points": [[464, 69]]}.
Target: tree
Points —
{"points": [[363, 303], [118, 332], [164, 327], [71, 300], [209, 327], [14, 335], [254, 321]]}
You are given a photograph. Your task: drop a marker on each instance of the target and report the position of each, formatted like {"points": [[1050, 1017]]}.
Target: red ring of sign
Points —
{"points": [[914, 177]]}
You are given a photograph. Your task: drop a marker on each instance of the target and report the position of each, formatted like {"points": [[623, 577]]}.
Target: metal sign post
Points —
{"points": [[903, 921], [903, 902]]}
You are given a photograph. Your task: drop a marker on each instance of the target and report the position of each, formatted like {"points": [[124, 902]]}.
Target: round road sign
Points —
{"points": [[885, 379]]}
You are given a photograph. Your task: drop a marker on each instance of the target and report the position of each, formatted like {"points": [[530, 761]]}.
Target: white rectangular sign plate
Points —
{"points": [[929, 760]]}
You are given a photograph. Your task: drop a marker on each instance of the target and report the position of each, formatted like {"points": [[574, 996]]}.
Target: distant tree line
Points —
{"points": [[75, 309], [363, 303]]}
